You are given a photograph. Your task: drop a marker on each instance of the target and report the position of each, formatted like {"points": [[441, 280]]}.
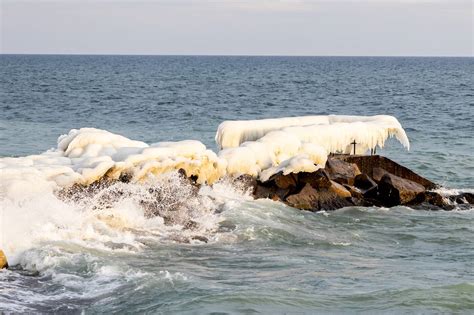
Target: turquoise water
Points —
{"points": [[261, 256]]}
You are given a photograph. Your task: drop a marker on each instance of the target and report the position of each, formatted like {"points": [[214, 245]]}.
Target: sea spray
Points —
{"points": [[117, 216]]}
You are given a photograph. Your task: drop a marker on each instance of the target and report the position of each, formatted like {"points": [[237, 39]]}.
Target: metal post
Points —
{"points": [[354, 143]]}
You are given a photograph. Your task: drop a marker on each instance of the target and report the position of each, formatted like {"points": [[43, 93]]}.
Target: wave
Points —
{"points": [[115, 216]]}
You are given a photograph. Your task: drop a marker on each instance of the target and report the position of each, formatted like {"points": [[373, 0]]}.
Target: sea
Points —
{"points": [[253, 256]]}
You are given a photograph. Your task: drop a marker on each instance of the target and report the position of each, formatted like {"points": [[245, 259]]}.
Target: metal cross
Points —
{"points": [[354, 144]]}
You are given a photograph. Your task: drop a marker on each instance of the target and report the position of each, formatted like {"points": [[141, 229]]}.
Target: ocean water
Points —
{"points": [[75, 255]]}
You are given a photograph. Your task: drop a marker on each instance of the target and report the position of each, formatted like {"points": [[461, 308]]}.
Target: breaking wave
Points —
{"points": [[116, 216]]}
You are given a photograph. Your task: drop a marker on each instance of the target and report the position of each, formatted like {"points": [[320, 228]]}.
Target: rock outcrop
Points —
{"points": [[360, 181], [3, 260], [369, 164], [346, 180], [394, 190]]}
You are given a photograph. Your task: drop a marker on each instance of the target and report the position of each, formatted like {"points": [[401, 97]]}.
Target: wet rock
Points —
{"points": [[342, 184], [341, 171], [318, 180], [364, 182], [339, 190], [277, 187], [354, 191], [394, 190], [78, 192], [285, 181], [246, 182], [367, 165], [469, 197], [305, 199], [192, 179], [329, 201], [125, 177], [3, 260], [371, 202], [367, 186], [270, 192], [312, 199], [378, 173], [191, 225], [200, 238], [358, 198], [434, 201], [463, 198]]}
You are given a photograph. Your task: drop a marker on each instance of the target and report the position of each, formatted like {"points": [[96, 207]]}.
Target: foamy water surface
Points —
{"points": [[216, 249]]}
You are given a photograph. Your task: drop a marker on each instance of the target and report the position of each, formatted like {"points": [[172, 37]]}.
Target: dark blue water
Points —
{"points": [[275, 258]]}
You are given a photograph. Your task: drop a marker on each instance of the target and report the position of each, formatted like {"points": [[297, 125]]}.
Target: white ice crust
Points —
{"points": [[259, 148], [368, 131], [86, 155], [292, 144]]}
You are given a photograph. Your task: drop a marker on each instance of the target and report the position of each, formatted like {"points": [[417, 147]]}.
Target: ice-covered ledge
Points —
{"points": [[292, 144], [375, 129]]}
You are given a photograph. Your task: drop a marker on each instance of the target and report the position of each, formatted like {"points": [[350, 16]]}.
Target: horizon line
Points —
{"points": [[232, 55]]}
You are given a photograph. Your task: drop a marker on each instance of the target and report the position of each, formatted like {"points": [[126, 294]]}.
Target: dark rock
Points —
{"points": [[367, 197], [125, 177], [366, 185], [341, 171], [305, 199], [330, 201], [312, 199], [463, 198], [78, 192], [246, 182], [277, 187], [371, 202], [285, 181], [364, 182], [432, 198], [341, 184], [355, 192], [394, 190], [191, 225], [318, 180], [200, 238], [469, 197], [182, 173], [378, 173], [270, 192], [367, 164], [193, 179]]}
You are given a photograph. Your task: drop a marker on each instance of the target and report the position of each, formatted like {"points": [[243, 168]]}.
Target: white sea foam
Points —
{"points": [[120, 217], [445, 192]]}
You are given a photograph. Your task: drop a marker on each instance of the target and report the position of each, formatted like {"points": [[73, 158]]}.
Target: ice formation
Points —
{"points": [[259, 148], [296, 164], [300, 144], [334, 132], [270, 153], [85, 155]]}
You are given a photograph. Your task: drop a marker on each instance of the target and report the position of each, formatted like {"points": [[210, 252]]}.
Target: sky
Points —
{"points": [[239, 27]]}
